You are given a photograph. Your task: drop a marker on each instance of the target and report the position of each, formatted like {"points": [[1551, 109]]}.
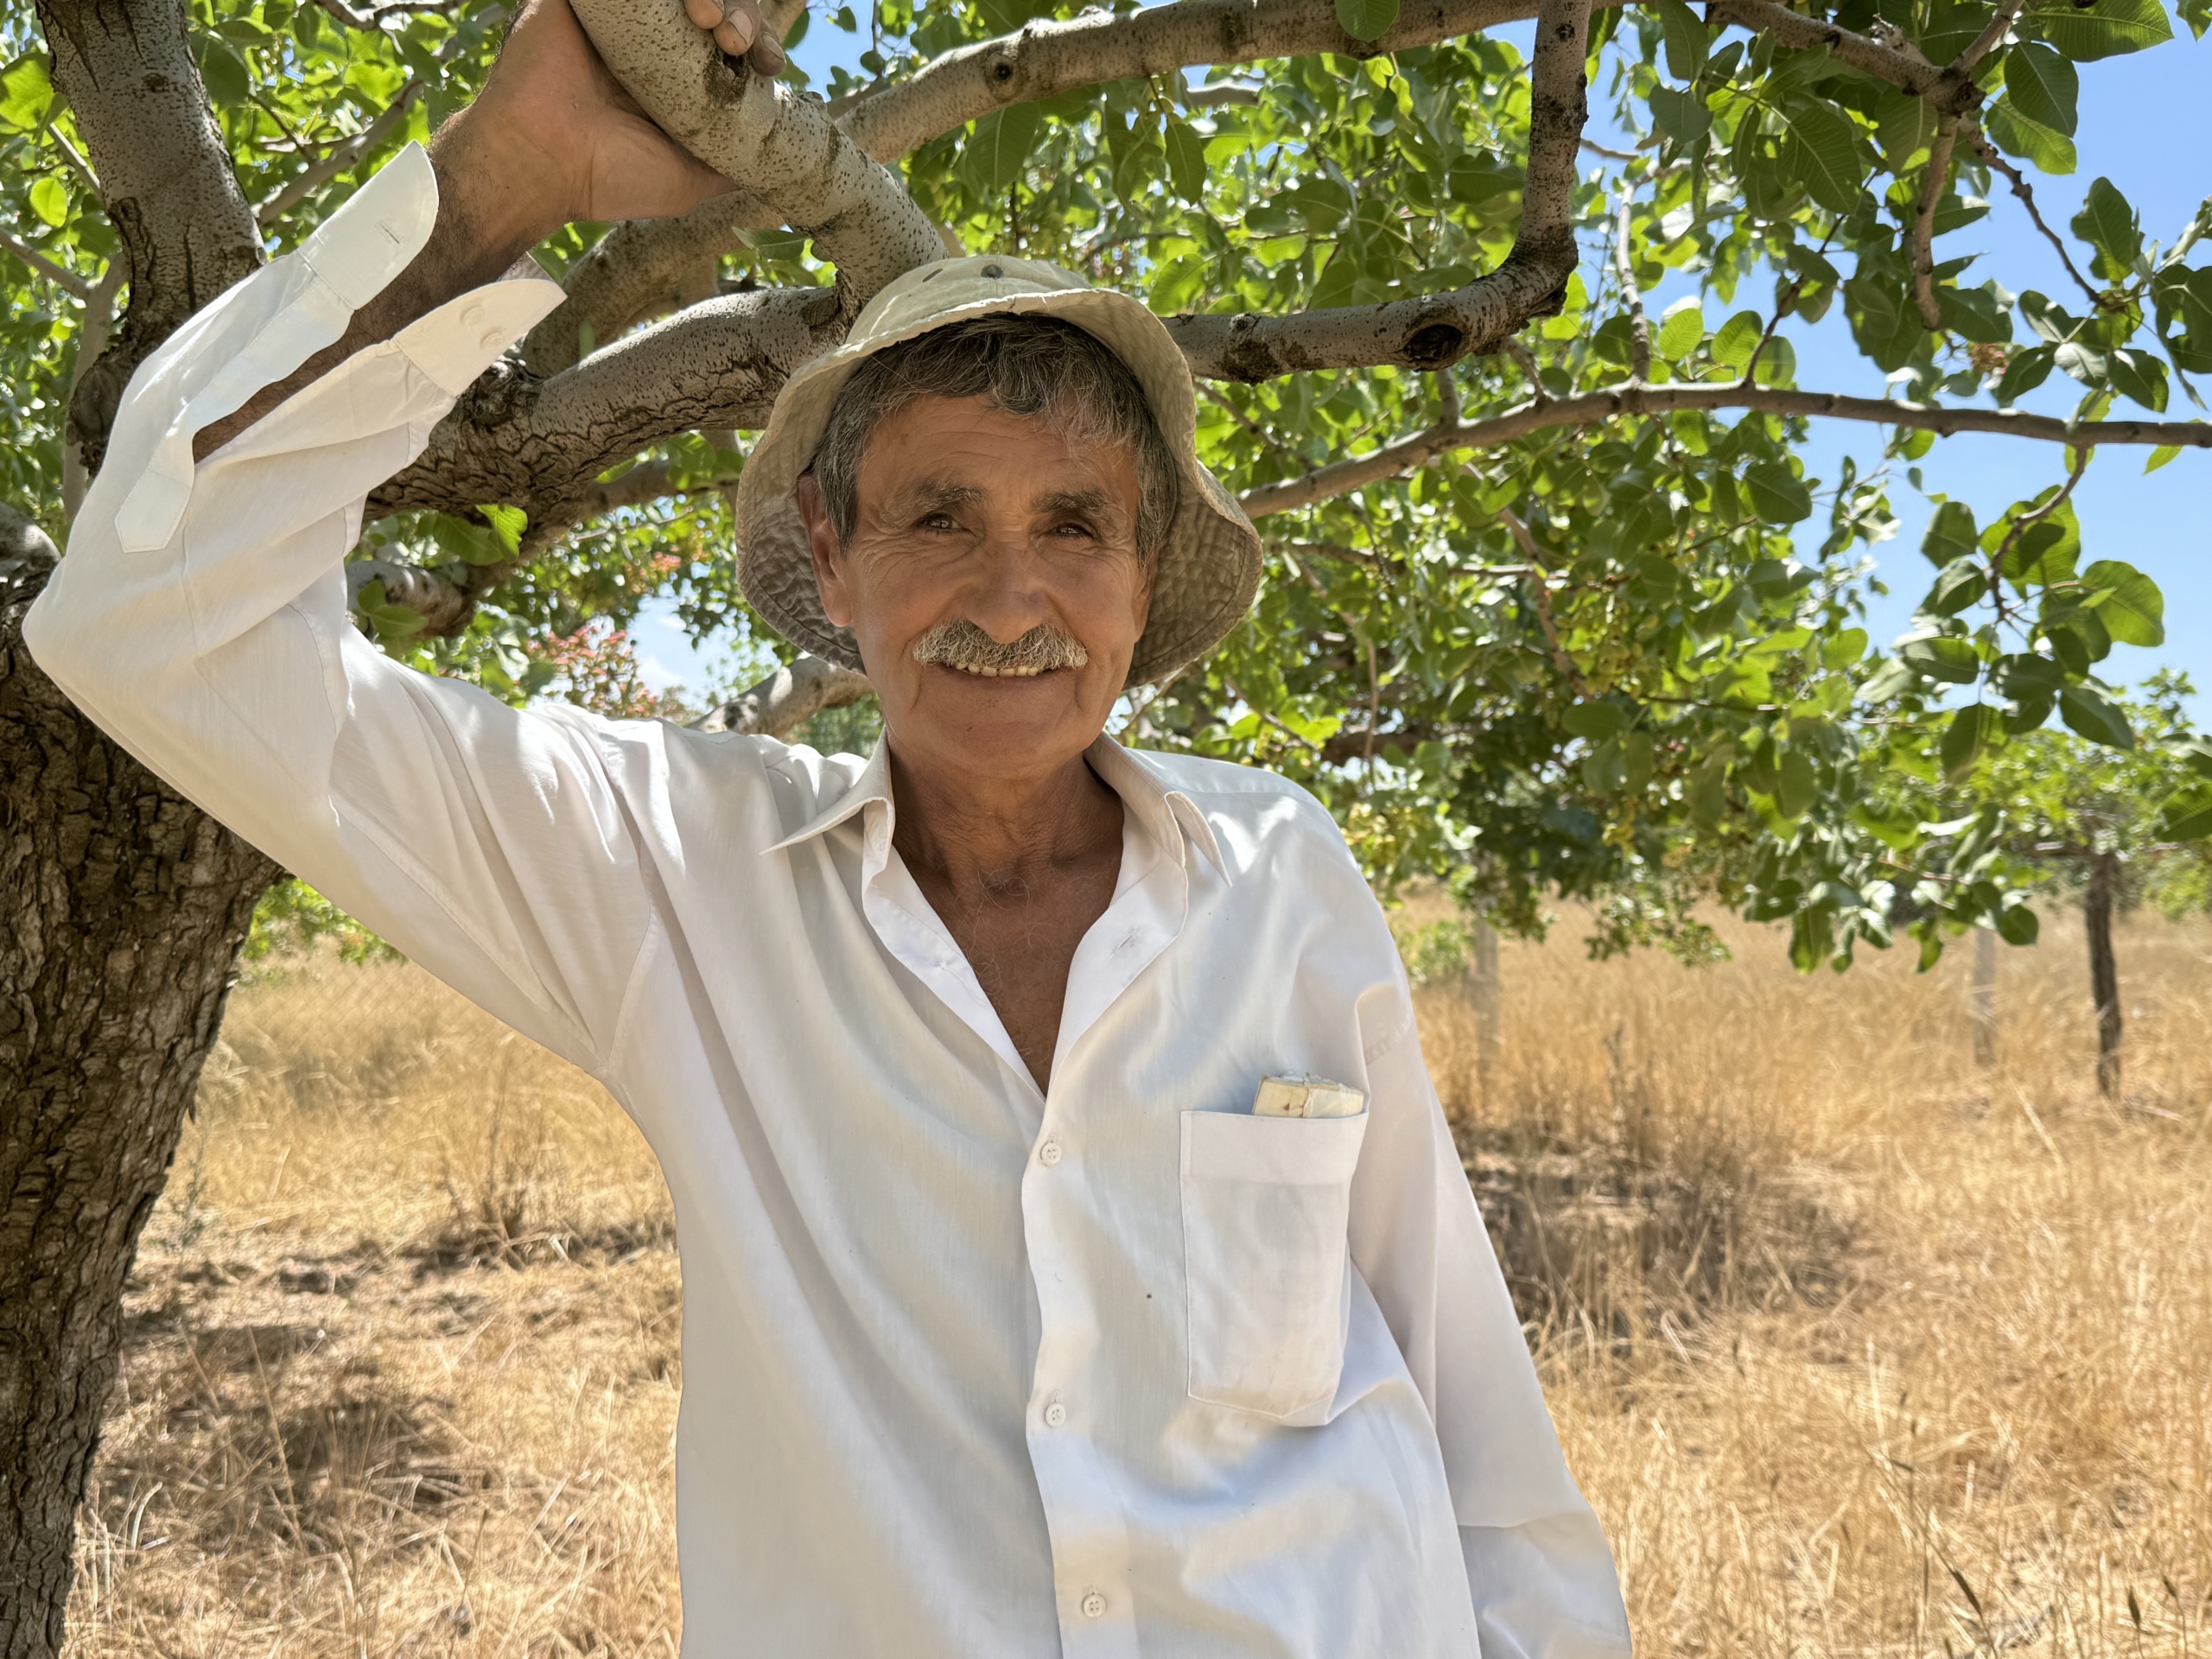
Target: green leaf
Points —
{"points": [[508, 525], [1708, 793], [2160, 456], [2104, 30], [1187, 161], [2043, 86], [2187, 815], [1778, 496], [2131, 608], [1796, 784], [1845, 649], [2017, 925], [225, 72], [1955, 661], [2140, 376], [1683, 327], [1822, 153], [2095, 717], [1594, 721], [1365, 19], [1961, 585], [50, 200], [1951, 534], [1972, 732], [1605, 770], [1737, 339], [994, 157], [2016, 134], [25, 95], [2110, 226], [1686, 38]]}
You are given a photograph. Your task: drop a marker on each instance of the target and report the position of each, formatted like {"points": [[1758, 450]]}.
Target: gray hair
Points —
{"points": [[1024, 366]]}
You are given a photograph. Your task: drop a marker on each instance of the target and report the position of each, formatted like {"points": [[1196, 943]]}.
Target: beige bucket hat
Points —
{"points": [[1209, 567]]}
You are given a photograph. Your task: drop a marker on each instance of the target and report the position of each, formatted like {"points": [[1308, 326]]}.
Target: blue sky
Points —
{"points": [[2146, 122]]}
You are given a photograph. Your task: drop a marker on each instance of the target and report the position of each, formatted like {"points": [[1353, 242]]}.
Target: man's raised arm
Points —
{"points": [[201, 615]]}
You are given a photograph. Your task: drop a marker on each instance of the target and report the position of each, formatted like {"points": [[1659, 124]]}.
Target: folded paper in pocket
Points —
{"points": [[1306, 1096]]}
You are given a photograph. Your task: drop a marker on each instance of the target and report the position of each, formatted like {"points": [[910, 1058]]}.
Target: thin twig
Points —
{"points": [[1639, 328], [76, 163], [2027, 521], [340, 156], [1539, 594], [1989, 153], [1785, 303], [60, 276], [1595, 408], [1525, 360]]}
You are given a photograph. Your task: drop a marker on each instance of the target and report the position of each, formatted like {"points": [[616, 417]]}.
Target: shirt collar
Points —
{"points": [[1167, 815]]}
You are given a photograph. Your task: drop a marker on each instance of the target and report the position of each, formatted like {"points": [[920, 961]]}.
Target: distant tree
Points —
{"points": [[2114, 825]]}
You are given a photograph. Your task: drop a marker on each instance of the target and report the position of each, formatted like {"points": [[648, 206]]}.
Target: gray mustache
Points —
{"points": [[964, 645]]}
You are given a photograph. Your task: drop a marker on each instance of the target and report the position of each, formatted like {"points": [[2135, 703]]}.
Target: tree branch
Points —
{"points": [[1593, 408], [61, 276], [538, 444], [793, 160], [1950, 88], [1050, 56], [1991, 154], [1438, 329], [1639, 326], [127, 70], [788, 698], [638, 270], [1923, 224]]}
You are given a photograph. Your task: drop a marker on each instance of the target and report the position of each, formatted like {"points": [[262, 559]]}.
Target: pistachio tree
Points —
{"points": [[1553, 603]]}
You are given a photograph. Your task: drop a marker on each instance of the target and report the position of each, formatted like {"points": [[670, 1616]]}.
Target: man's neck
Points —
{"points": [[987, 839]]}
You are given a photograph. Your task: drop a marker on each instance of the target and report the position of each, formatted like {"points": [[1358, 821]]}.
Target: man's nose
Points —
{"points": [[1006, 594]]}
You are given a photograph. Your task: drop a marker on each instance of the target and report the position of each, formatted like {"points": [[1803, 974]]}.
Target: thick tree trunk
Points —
{"points": [[2104, 970], [122, 909]]}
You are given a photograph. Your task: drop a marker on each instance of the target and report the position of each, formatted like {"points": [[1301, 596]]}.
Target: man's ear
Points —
{"points": [[822, 542]]}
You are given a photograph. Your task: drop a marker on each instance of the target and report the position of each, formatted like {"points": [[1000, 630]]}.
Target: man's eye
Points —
{"points": [[1082, 531], [938, 521]]}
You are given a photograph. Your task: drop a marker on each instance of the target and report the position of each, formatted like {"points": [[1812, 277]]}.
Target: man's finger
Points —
{"points": [[706, 14]]}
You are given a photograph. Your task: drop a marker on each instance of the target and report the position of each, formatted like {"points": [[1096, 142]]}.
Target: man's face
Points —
{"points": [[969, 514]]}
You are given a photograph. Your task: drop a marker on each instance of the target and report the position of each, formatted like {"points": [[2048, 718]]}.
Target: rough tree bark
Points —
{"points": [[2104, 968], [125, 907], [121, 905]]}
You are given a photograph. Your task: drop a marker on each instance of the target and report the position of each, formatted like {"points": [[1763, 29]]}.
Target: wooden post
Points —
{"points": [[1982, 1000], [2104, 970], [1482, 992]]}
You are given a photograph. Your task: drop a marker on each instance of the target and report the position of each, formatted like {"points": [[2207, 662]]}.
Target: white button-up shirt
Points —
{"points": [[970, 1371]]}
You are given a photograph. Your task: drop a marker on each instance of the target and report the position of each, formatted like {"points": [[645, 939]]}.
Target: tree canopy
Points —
{"points": [[1553, 605]]}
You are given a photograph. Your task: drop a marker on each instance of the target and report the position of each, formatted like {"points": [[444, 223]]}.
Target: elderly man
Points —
{"points": [[1075, 1257]]}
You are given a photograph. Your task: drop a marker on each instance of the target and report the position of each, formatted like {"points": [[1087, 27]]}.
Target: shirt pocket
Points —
{"points": [[1267, 1202]]}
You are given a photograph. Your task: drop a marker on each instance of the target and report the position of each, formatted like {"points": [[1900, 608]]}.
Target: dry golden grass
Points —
{"points": [[1856, 1348]]}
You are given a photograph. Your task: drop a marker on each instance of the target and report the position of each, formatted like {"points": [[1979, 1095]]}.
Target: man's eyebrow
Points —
{"points": [[1095, 502], [926, 494]]}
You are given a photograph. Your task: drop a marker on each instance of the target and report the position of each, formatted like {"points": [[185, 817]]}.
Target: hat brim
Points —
{"points": [[1209, 567]]}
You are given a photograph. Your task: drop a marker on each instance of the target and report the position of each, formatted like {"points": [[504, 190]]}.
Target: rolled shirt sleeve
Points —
{"points": [[1538, 1565], [200, 618]]}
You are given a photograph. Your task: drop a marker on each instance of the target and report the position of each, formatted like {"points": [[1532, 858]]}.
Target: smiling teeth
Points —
{"points": [[993, 673]]}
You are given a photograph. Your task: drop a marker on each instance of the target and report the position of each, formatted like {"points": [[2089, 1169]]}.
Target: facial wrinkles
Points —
{"points": [[964, 645]]}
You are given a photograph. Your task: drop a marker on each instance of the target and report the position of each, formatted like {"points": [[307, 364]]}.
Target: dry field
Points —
{"points": [[1857, 1349]]}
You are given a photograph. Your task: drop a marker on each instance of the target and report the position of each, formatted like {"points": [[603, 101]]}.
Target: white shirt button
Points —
{"points": [[471, 316], [1056, 1415], [493, 340], [1049, 1153], [1094, 1605]]}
